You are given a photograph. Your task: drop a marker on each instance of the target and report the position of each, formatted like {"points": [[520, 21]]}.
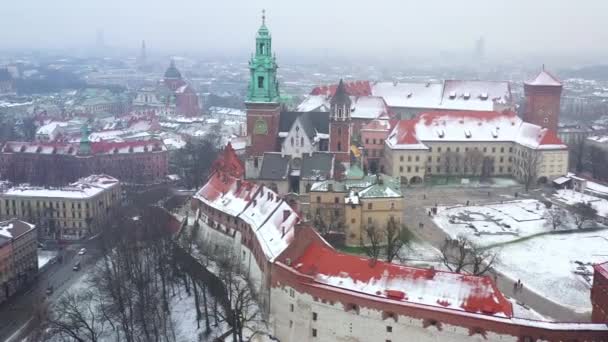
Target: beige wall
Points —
{"points": [[410, 163], [375, 211], [330, 205], [66, 214]]}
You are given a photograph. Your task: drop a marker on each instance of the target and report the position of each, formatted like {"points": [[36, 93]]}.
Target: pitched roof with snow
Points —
{"points": [[409, 94], [311, 121], [397, 283], [362, 107], [225, 193], [474, 95], [14, 228], [278, 231], [87, 187], [353, 88], [469, 126], [544, 78]]}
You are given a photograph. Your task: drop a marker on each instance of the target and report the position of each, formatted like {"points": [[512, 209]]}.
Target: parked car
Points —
{"points": [[76, 266], [82, 251], [49, 290]]}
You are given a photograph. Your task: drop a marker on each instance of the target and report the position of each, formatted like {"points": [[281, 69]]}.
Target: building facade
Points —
{"points": [[67, 213], [18, 255], [38, 163], [473, 144], [599, 293]]}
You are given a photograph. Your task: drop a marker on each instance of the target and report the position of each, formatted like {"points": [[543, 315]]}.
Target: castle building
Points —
{"points": [[473, 143], [18, 255], [171, 96], [542, 106], [312, 292]]}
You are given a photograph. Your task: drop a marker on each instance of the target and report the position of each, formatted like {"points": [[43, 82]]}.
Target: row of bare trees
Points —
{"points": [[128, 296]]}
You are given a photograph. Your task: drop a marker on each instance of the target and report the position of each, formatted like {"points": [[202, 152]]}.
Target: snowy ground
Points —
{"points": [[556, 266], [493, 223], [520, 310], [420, 254], [572, 197], [44, 257]]}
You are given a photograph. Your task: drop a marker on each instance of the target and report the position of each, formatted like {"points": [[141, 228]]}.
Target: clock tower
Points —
{"points": [[543, 95], [263, 108]]}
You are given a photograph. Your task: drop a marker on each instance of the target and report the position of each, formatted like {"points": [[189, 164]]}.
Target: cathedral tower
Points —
{"points": [[173, 78], [543, 94], [339, 124], [263, 109]]}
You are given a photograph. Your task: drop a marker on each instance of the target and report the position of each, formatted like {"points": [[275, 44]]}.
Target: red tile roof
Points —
{"points": [[353, 88]]}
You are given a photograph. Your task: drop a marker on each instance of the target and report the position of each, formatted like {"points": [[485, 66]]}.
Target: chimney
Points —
{"points": [[286, 214], [330, 187]]}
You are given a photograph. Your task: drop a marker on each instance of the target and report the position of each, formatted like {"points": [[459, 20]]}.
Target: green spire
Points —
{"points": [[85, 143], [263, 85]]}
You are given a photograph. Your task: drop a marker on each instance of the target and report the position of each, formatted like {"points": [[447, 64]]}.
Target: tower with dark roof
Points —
{"points": [[543, 95], [173, 78], [263, 108], [339, 124]]}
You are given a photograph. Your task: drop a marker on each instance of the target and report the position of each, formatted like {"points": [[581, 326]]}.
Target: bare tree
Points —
{"points": [[487, 167], [371, 242], [555, 217], [583, 212], [461, 255], [76, 316], [451, 162], [397, 237], [528, 167], [473, 159]]}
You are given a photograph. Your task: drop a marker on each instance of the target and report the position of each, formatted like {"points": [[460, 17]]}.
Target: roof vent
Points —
{"points": [[452, 95], [466, 95], [483, 96], [467, 133], [409, 95]]}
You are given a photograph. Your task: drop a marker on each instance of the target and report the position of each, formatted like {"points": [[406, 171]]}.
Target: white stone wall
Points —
{"points": [[301, 144], [333, 323], [249, 266]]}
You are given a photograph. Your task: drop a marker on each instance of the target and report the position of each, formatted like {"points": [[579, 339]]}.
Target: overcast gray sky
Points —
{"points": [[368, 28]]}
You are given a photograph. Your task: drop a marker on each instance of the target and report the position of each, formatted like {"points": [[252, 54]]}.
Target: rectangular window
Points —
{"points": [[367, 140], [369, 206], [260, 82], [430, 159], [314, 332], [389, 328], [336, 200], [493, 149], [374, 141], [291, 307], [314, 316], [438, 149], [400, 168], [409, 158], [502, 150], [510, 149], [401, 158], [457, 149], [409, 169], [485, 149], [318, 199], [353, 221], [417, 158]]}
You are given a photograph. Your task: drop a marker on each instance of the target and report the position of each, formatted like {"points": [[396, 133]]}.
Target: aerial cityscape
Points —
{"points": [[277, 175]]}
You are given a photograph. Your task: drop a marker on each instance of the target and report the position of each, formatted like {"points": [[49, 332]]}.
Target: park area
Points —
{"points": [[555, 263]]}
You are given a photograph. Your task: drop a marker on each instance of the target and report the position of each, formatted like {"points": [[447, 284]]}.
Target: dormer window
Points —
{"points": [[452, 95], [466, 95]]}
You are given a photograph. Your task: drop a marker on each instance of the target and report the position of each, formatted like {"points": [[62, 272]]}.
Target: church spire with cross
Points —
{"points": [[263, 85]]}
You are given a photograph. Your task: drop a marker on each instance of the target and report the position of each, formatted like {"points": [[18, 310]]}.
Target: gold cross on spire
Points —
{"points": [[263, 17]]}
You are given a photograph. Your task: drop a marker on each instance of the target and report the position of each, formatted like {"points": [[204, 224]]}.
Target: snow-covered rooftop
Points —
{"points": [[399, 283], [470, 126], [84, 188], [14, 228], [544, 78]]}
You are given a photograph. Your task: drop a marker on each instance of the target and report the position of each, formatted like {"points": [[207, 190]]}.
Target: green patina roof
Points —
{"points": [[172, 71], [367, 185], [380, 191], [355, 172]]}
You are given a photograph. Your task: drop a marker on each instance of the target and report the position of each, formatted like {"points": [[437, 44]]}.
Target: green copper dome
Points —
{"points": [[263, 84]]}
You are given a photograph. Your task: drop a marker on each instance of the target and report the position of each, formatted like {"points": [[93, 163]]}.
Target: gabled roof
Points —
{"points": [[478, 126], [397, 283], [229, 162], [353, 88], [317, 166], [274, 166], [544, 78], [14, 228], [318, 121]]}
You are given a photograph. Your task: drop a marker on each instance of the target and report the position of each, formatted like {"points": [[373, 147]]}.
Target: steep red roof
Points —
{"points": [[408, 284], [353, 88], [550, 138], [544, 78], [406, 132], [229, 162], [602, 269], [110, 146]]}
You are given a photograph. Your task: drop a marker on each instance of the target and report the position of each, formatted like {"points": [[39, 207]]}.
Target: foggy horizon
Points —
{"points": [[391, 30]]}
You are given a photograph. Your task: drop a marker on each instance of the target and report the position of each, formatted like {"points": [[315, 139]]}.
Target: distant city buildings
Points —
{"points": [[18, 255], [69, 212]]}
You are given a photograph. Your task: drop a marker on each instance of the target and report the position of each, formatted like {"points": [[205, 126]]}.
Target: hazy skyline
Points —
{"points": [[517, 28]]}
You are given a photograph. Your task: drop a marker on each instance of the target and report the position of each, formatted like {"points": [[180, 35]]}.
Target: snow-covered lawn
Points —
{"points": [[572, 197], [547, 264], [493, 223], [44, 257]]}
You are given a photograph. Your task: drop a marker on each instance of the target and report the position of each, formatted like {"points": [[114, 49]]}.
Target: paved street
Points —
{"points": [[415, 213], [19, 309]]}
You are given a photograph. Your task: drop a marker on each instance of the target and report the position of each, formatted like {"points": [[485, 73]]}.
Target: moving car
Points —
{"points": [[76, 266], [82, 251]]}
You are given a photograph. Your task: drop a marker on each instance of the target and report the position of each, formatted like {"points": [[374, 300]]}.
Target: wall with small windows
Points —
{"points": [[297, 142], [302, 317]]}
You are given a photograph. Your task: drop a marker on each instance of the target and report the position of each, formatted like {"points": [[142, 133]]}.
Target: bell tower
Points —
{"points": [[543, 95], [263, 108], [339, 124]]}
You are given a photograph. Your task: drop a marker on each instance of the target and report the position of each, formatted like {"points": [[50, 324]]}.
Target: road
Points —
{"points": [[19, 309]]}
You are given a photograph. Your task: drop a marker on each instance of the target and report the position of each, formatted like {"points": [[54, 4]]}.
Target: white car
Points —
{"points": [[82, 251]]}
